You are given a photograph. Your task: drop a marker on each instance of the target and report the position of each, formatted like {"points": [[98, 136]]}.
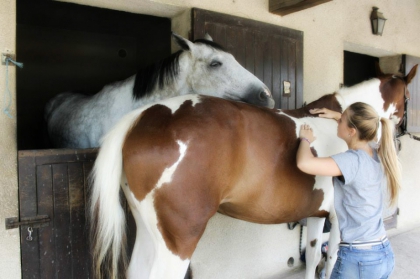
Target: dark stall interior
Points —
{"points": [[69, 47]]}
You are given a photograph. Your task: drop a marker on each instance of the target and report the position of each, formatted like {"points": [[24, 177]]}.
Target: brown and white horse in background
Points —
{"points": [[181, 160]]}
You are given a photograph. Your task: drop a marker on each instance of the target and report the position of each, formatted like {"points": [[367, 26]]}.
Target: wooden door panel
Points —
{"points": [[276, 56], [249, 52], [78, 230], [272, 53], [46, 207], [28, 208], [413, 105], [61, 220], [289, 55], [55, 184]]}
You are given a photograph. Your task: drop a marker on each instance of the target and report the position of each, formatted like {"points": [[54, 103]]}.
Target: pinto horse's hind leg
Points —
{"points": [[313, 245], [151, 259]]}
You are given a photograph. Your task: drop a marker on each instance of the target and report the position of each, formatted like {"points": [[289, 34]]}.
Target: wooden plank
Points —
{"points": [[231, 44], [27, 187], [78, 234], [46, 234], [57, 156], [285, 7], [28, 208], [250, 51], [211, 29], [197, 25], [299, 74], [284, 63], [61, 221], [259, 55], [267, 61], [87, 167], [236, 43], [241, 43], [291, 100], [276, 88], [217, 32]]}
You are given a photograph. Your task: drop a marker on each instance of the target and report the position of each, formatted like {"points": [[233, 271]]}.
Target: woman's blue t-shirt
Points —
{"points": [[358, 196]]}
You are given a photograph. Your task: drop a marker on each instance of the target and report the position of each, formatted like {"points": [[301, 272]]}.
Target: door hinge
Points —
{"points": [[34, 222]]}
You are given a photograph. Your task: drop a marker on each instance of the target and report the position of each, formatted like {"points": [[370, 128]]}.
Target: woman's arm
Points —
{"points": [[326, 113], [310, 164]]}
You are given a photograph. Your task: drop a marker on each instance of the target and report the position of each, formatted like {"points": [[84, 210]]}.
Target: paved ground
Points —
{"points": [[406, 246]]}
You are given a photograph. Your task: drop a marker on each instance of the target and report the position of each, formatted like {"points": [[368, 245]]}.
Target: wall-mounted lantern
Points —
{"points": [[378, 21]]}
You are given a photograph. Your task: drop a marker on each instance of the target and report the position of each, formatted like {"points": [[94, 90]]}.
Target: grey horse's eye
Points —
{"points": [[215, 64]]}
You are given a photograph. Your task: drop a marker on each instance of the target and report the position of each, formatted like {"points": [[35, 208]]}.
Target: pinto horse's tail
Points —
{"points": [[108, 223]]}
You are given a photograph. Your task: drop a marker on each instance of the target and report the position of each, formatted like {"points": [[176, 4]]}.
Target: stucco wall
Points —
{"points": [[9, 240], [328, 29]]}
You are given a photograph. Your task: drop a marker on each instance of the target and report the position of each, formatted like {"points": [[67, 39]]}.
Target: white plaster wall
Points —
{"points": [[9, 240], [240, 249], [408, 202]]}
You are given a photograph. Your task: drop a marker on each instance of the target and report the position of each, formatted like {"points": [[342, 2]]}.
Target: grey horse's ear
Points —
{"points": [[208, 37], [182, 42]]}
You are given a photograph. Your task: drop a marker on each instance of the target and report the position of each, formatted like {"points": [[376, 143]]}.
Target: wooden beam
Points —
{"points": [[284, 7]]}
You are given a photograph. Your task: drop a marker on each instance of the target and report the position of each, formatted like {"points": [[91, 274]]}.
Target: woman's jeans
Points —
{"points": [[374, 263]]}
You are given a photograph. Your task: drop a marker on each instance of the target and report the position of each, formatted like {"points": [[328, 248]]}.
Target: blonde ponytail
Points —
{"points": [[389, 160]]}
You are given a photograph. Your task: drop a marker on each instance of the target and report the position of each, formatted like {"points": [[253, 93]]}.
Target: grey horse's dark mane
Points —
{"points": [[161, 73]]}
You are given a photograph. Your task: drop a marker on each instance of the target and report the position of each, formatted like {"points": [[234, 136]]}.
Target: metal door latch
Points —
{"points": [[33, 222], [29, 237]]}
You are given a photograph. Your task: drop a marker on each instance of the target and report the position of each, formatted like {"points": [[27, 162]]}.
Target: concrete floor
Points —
{"points": [[406, 246]]}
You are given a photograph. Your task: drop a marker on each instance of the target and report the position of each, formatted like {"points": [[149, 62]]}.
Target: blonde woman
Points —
{"points": [[359, 173]]}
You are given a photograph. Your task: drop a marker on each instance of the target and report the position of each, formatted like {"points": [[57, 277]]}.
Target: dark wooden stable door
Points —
{"points": [[273, 53], [54, 183]]}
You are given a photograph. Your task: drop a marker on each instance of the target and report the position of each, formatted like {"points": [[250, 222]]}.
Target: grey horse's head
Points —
{"points": [[213, 71]]}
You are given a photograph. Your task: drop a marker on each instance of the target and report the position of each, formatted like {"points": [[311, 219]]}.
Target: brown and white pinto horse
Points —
{"points": [[181, 160]]}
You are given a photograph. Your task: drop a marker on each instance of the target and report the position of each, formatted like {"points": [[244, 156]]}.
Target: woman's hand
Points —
{"points": [[306, 132], [326, 113], [308, 163]]}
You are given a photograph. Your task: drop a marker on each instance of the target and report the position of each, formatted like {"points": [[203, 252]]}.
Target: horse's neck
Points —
{"points": [[114, 100], [179, 86], [329, 101], [116, 94], [367, 92]]}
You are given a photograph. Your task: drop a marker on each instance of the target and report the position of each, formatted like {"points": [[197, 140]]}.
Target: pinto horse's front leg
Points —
{"points": [[313, 245], [333, 243]]}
